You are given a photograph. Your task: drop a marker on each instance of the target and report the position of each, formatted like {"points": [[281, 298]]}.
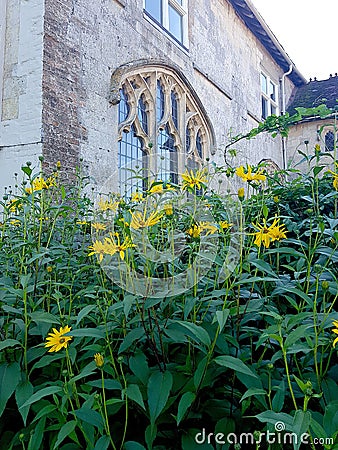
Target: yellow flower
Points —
{"points": [[15, 222], [335, 180], [194, 231], [158, 188], [49, 269], [211, 228], [137, 197], [40, 183], [225, 225], [105, 205], [249, 176], [276, 199], [138, 220], [14, 204], [98, 248], [99, 360], [98, 226], [111, 246], [58, 165], [56, 340], [241, 193], [194, 180], [335, 330], [81, 222], [168, 209], [267, 234]]}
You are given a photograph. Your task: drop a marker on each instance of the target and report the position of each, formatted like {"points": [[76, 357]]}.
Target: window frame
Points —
{"points": [[164, 22], [266, 97], [156, 84]]}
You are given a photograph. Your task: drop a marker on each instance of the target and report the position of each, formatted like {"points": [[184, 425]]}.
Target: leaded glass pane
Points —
{"points": [[130, 156], [187, 140], [167, 156], [199, 144], [142, 114], [174, 109], [160, 101], [329, 141]]}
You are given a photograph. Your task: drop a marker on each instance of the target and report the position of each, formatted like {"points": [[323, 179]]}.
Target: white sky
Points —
{"points": [[307, 29]]}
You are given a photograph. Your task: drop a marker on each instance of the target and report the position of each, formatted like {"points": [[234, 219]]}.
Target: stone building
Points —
{"points": [[110, 80], [312, 131]]}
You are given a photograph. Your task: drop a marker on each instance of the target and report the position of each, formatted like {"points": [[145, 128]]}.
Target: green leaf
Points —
{"points": [[102, 443], [301, 422], [130, 338], [253, 392], [184, 405], [317, 170], [108, 384], [27, 170], [44, 412], [84, 312], [36, 438], [222, 317], [42, 393], [9, 343], [65, 431], [200, 372], [195, 331], [23, 392], [139, 366], [87, 332], [44, 317], [330, 422], [279, 397], [90, 416], [10, 375], [296, 335], [150, 435], [89, 369], [159, 387], [274, 417], [236, 364], [132, 445], [265, 211], [134, 393]]}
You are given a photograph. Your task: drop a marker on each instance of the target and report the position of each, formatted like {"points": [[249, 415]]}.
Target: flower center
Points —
{"points": [[62, 340]]}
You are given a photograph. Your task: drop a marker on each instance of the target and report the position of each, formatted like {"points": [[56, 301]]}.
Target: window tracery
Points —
{"points": [[159, 119]]}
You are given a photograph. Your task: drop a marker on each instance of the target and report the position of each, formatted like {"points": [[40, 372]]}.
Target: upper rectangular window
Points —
{"points": [[172, 15], [269, 96]]}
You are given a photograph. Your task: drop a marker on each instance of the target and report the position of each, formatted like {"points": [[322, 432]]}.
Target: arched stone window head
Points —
{"points": [[162, 124]]}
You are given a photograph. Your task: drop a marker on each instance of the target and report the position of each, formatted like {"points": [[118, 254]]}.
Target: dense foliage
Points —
{"points": [[249, 352]]}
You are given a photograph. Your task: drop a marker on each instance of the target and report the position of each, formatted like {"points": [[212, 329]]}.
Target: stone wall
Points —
{"points": [[304, 137], [21, 41], [85, 42], [63, 110]]}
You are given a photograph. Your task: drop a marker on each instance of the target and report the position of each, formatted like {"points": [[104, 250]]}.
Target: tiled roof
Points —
{"points": [[256, 24], [315, 93]]}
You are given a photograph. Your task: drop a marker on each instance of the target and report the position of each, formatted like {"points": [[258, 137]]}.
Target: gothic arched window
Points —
{"points": [[160, 124]]}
